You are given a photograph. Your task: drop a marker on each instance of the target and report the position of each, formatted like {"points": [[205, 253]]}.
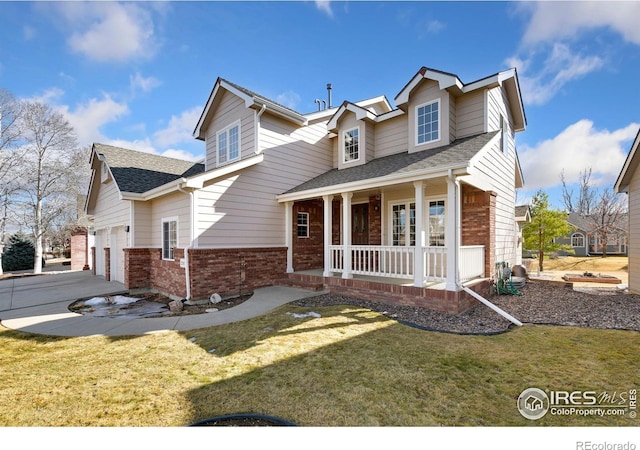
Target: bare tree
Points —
{"points": [[585, 200], [47, 170], [10, 112], [608, 218]]}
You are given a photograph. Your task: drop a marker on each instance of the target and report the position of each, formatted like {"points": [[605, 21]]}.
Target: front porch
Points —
{"points": [[399, 291]]}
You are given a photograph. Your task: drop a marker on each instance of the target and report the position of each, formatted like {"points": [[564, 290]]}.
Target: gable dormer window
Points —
{"points": [[228, 142], [428, 122], [351, 145]]}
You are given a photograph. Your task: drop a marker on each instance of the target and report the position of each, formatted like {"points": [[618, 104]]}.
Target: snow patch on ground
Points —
{"points": [[115, 300], [303, 316]]}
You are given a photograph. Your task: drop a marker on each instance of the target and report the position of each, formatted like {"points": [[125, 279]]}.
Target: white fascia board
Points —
{"points": [[197, 132], [403, 96], [390, 115], [360, 113], [154, 193], [630, 165], [278, 110], [320, 114], [445, 81], [374, 101], [375, 183], [198, 181]]}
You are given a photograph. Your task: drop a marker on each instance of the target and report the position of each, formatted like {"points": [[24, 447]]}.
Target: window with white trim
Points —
{"points": [[428, 122], [436, 223], [577, 240], [228, 142], [350, 145], [303, 225], [504, 135], [403, 224], [169, 237]]}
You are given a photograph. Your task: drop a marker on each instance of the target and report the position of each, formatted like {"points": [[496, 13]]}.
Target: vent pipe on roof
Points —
{"points": [[329, 94], [321, 104]]}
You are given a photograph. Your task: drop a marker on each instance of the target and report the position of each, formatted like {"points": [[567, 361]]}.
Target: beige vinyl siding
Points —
{"points": [[176, 205], [634, 233], [470, 110], [428, 91], [369, 145], [499, 170], [142, 225], [391, 136], [109, 210], [229, 110], [241, 210]]}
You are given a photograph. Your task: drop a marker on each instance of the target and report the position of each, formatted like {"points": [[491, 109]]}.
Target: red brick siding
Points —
{"points": [[137, 268], [167, 276], [308, 253], [375, 221], [478, 223], [107, 263], [229, 271], [79, 249], [453, 302]]}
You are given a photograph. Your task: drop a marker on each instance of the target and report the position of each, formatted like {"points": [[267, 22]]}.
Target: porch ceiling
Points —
{"points": [[393, 168]]}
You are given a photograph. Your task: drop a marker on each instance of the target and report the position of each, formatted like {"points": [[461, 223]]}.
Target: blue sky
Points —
{"points": [[138, 74]]}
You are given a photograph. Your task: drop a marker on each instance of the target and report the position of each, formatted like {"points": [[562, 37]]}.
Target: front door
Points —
{"points": [[360, 224]]}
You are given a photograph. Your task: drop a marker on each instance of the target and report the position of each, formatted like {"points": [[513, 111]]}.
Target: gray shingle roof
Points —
{"points": [[521, 210], [139, 172], [459, 152]]}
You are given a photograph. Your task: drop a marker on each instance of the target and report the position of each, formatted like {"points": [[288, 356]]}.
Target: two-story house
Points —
{"points": [[403, 203]]}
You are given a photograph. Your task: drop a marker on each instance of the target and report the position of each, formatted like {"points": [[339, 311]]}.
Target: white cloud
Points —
{"points": [[88, 118], [140, 83], [577, 147], [108, 31], [325, 6], [181, 154], [434, 26], [180, 128], [563, 20], [28, 32], [560, 67], [289, 99]]}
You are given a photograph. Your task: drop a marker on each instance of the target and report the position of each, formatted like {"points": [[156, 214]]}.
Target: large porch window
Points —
{"points": [[436, 223], [403, 226]]}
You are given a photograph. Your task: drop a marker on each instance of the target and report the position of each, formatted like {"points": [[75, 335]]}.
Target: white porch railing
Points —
{"points": [[398, 261], [471, 262]]}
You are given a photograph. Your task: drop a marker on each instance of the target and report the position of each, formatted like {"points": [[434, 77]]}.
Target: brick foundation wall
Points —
{"points": [[107, 263], [229, 271], [453, 302], [167, 276], [478, 223], [137, 268], [308, 253], [79, 249]]}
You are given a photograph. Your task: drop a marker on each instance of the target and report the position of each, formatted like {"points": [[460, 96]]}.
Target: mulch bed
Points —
{"points": [[541, 303]]}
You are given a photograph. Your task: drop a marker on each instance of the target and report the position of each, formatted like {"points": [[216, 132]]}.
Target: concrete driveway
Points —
{"points": [[40, 305], [37, 290]]}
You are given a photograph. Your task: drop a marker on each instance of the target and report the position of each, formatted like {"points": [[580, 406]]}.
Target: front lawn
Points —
{"points": [[350, 367]]}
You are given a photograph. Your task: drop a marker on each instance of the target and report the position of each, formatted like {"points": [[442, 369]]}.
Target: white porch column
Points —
{"points": [[451, 235], [418, 257], [288, 229], [328, 211], [346, 234]]}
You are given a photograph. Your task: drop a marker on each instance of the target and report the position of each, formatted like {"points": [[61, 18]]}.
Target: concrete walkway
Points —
{"points": [[39, 304]]}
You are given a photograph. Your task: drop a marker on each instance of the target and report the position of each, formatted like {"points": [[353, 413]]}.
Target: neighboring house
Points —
{"points": [[522, 216], [586, 242], [400, 203], [629, 182]]}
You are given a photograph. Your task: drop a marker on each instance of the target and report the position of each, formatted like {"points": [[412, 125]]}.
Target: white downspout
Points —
{"points": [[191, 238], [458, 239], [257, 133]]}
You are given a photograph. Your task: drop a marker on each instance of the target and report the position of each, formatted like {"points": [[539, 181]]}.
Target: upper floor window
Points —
{"points": [[228, 141], [504, 136], [350, 145], [428, 122]]}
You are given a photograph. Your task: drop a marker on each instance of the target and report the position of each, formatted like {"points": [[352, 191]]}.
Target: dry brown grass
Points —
{"points": [[588, 263], [351, 367]]}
